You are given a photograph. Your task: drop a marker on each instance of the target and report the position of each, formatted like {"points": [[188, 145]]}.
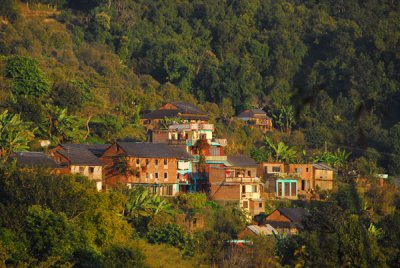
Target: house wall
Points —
{"points": [[256, 207], [267, 168], [323, 179], [94, 173], [225, 192], [159, 136], [148, 170]]}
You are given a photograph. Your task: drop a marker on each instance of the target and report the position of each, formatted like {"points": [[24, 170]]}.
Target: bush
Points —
{"points": [[119, 256], [170, 234]]}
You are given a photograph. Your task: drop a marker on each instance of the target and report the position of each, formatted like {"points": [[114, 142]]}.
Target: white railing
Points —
{"points": [[243, 180], [181, 127], [216, 158]]}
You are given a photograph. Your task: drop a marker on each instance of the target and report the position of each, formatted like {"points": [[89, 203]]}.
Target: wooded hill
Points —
{"points": [[326, 71]]}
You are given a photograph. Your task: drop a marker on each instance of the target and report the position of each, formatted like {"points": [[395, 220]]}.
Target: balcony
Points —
{"points": [[183, 127], [177, 142], [221, 142], [243, 180], [216, 158]]}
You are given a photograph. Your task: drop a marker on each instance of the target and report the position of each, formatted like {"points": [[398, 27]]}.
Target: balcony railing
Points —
{"points": [[177, 142], [243, 180], [216, 158], [181, 127], [222, 142]]}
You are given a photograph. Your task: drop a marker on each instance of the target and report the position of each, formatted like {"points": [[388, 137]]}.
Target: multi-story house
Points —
{"points": [[198, 139], [288, 181], [81, 159], [278, 182], [237, 182], [256, 118], [163, 168], [172, 111], [313, 176]]}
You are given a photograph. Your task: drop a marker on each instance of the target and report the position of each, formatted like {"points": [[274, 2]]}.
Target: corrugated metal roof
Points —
{"points": [[154, 150], [96, 149], [294, 214], [184, 110], [322, 166], [79, 155], [262, 229], [241, 161], [34, 160], [259, 113]]}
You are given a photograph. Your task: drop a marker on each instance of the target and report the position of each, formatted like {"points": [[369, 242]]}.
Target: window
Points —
{"points": [[147, 162], [156, 162], [249, 173], [276, 169], [303, 185], [81, 169], [214, 150], [156, 175], [298, 170], [165, 176], [169, 190], [137, 161], [260, 205], [91, 170], [245, 204], [243, 188], [254, 188], [165, 162], [306, 169]]}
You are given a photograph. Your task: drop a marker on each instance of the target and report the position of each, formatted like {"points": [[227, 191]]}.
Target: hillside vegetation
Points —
{"points": [[326, 71]]}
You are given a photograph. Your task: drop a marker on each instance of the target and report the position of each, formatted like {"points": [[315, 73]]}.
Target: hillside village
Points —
{"points": [[183, 156], [237, 133]]}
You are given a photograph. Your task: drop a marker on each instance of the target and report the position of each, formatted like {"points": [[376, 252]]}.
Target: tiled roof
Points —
{"points": [[154, 150], [96, 149], [34, 160], [79, 155], [294, 214], [253, 113], [241, 161], [184, 110]]}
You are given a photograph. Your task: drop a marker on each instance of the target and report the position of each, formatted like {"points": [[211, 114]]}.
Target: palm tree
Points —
{"points": [[280, 151], [142, 203], [61, 125], [15, 134]]}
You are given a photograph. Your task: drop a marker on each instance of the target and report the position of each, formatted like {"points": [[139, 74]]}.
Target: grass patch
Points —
{"points": [[165, 256]]}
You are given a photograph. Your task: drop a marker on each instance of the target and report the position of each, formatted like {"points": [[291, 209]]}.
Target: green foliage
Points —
{"points": [[9, 10], [50, 234], [279, 152], [26, 77], [15, 134], [142, 206], [170, 234], [120, 256], [68, 95]]}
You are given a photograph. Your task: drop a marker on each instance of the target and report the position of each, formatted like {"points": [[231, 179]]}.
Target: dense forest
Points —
{"points": [[325, 71]]}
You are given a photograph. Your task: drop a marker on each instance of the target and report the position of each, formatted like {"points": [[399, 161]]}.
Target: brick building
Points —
{"points": [[237, 181], [164, 168], [81, 159]]}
